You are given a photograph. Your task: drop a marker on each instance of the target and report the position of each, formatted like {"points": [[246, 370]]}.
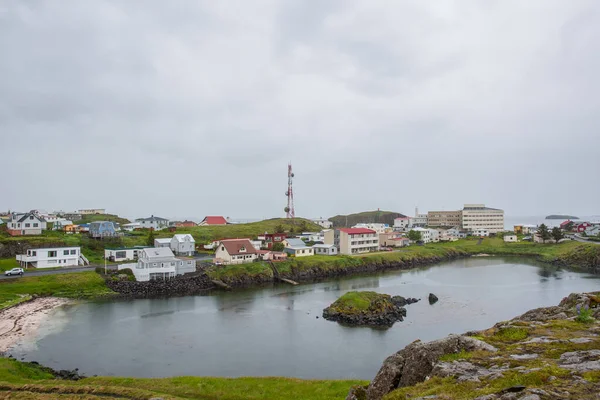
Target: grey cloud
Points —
{"points": [[376, 104]]}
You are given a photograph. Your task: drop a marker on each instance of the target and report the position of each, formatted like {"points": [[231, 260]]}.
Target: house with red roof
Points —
{"points": [[353, 240], [580, 228], [235, 251], [213, 220]]}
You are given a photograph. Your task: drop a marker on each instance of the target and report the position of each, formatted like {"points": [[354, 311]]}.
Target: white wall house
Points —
{"points": [[297, 248], [402, 223], [325, 249], [183, 244], [162, 242], [131, 226], [25, 224], [235, 251], [50, 257], [158, 264], [123, 253], [510, 238], [152, 222], [378, 228], [481, 232], [323, 223], [425, 234], [353, 240]]}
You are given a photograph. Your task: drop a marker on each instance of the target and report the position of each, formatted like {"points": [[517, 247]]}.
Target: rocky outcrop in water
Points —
{"points": [[366, 308], [432, 298]]}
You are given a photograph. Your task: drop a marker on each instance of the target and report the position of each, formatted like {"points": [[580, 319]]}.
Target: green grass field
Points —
{"points": [[78, 285], [28, 381]]}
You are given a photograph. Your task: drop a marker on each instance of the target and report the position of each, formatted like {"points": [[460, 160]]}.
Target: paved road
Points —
{"points": [[582, 240], [68, 270]]}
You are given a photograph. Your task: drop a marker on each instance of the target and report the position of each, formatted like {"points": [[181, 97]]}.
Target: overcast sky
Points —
{"points": [[193, 108]]}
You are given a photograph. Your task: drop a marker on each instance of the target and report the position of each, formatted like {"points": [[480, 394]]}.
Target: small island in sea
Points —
{"points": [[368, 308], [558, 216]]}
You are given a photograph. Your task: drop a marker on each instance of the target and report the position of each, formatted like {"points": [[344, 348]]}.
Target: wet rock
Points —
{"points": [[381, 311], [181, 285], [523, 356], [530, 397], [401, 301], [465, 371], [415, 362], [581, 361], [543, 314], [541, 339], [581, 340], [357, 393], [432, 298]]}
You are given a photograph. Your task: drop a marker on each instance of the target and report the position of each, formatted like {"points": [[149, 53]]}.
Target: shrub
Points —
{"points": [[99, 270], [584, 315], [126, 271]]}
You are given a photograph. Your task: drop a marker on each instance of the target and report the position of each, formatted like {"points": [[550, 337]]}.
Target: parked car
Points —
{"points": [[14, 271]]}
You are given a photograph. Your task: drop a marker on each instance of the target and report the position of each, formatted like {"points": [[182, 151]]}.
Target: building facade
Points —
{"points": [[152, 222], [159, 264], [50, 257], [91, 211], [402, 223], [25, 224], [102, 229], [235, 251], [183, 245], [353, 240], [377, 227], [444, 218], [479, 217], [325, 249], [123, 253], [324, 223]]}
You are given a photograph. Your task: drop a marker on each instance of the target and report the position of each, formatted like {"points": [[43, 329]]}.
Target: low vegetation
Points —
{"points": [[359, 302], [80, 285], [382, 217], [30, 381], [86, 219]]}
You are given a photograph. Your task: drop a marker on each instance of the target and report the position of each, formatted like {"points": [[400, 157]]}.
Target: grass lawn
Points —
{"points": [[33, 382], [357, 302], [77, 285], [8, 263]]}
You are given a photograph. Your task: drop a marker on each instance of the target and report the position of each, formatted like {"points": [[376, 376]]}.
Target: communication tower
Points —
{"points": [[289, 209]]}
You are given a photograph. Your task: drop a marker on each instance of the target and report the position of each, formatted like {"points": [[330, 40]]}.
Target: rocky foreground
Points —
{"points": [[368, 309], [546, 353]]}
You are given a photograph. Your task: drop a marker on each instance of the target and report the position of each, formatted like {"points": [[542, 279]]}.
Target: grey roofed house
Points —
{"points": [[156, 253], [294, 242], [152, 222]]}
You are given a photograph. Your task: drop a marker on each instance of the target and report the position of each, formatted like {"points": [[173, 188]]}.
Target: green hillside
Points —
{"points": [[206, 234], [383, 217], [101, 217]]}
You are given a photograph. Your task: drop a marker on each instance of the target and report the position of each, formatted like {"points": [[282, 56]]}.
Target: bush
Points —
{"points": [[126, 271], [584, 315]]}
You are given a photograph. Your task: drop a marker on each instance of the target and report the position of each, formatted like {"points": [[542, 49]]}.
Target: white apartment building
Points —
{"points": [[50, 257], [425, 234], [402, 223], [159, 263], [478, 216], [91, 211], [419, 220], [379, 228], [353, 240], [481, 232], [323, 223]]}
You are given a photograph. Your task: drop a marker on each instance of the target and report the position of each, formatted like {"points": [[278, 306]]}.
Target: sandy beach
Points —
{"points": [[24, 320]]}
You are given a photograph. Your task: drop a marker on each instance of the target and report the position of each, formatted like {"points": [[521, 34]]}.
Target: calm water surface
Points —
{"points": [[274, 330]]}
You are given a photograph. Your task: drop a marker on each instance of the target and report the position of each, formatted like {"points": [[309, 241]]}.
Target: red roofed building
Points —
{"points": [[582, 227], [213, 220], [563, 225], [236, 251], [353, 240]]}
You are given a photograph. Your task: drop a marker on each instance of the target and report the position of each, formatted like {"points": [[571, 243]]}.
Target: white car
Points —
{"points": [[14, 271]]}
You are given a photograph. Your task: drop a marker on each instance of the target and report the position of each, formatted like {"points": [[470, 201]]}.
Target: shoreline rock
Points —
{"points": [[382, 310]]}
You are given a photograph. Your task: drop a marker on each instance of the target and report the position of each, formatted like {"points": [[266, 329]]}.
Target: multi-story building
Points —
{"points": [[25, 224], [479, 217], [419, 220], [402, 223], [49, 257], [377, 227], [323, 223], [353, 240], [425, 234], [91, 211], [159, 263], [152, 222], [444, 218]]}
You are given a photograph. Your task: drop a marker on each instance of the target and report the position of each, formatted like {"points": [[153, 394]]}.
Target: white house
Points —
{"points": [[183, 244], [159, 263], [353, 240], [593, 230], [425, 234], [510, 238], [235, 251], [123, 253], [325, 249], [152, 222], [402, 223], [378, 228], [434, 235], [49, 257], [25, 224], [481, 232], [162, 242], [131, 226], [323, 223], [297, 248]]}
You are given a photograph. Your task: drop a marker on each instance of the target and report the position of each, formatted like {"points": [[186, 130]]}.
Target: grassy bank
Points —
{"points": [[568, 253], [79, 285], [33, 382]]}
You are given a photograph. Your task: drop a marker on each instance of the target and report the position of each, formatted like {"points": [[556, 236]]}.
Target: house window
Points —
{"points": [[73, 252], [27, 225], [172, 264], [52, 253], [119, 254], [30, 217], [34, 253], [65, 252]]}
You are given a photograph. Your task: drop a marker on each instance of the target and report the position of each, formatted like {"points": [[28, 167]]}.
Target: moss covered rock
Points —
{"points": [[365, 308]]}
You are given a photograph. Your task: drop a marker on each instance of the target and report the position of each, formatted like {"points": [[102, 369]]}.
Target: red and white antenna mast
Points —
{"points": [[289, 210]]}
